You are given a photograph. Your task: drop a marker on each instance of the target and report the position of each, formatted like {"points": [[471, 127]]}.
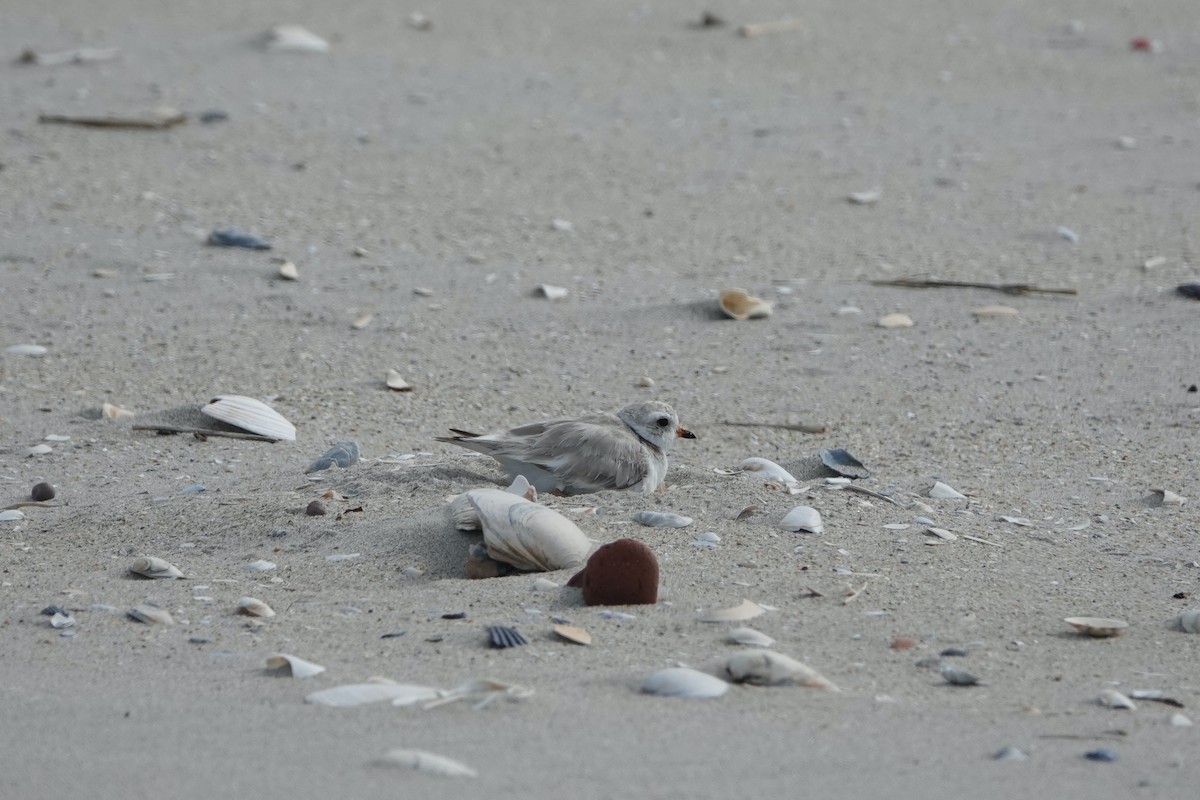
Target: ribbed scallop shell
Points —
{"points": [[527, 535], [251, 415]]}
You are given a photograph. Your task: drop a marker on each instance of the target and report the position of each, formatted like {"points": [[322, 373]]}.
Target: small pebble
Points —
{"points": [[231, 237], [1101, 754], [42, 492], [1191, 289], [209, 117], [315, 509], [1068, 234]]}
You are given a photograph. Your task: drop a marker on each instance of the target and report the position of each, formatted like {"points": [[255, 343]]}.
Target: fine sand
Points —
{"points": [[644, 164]]}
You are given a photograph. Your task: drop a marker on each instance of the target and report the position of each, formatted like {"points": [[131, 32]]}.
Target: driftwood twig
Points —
{"points": [[254, 437], [937, 283]]}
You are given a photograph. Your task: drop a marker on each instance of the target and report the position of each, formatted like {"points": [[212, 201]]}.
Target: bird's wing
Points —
{"points": [[587, 455]]}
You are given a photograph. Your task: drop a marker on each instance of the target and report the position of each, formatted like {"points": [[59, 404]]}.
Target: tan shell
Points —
{"points": [[573, 634], [768, 668], [747, 609], [151, 567], [527, 535], [895, 321], [1099, 627], [251, 415], [253, 607], [738, 304], [151, 614], [286, 665], [994, 311]]}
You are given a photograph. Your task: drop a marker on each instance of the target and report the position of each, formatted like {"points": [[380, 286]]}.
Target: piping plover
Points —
{"points": [[625, 450]]}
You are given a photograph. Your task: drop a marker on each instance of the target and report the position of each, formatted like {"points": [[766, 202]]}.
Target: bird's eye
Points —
{"points": [[662, 422]]}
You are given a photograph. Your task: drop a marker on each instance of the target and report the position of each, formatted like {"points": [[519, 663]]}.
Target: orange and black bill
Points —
{"points": [[684, 433]]}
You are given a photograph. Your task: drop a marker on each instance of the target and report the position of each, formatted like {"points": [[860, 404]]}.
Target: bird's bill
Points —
{"points": [[684, 433]]}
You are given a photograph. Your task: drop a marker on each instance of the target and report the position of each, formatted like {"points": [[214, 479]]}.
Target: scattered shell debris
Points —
{"points": [[984, 312], [1111, 698], [840, 461], [342, 454], [941, 491], [111, 411], [661, 519], [1097, 627], [83, 55], [362, 321], [152, 567], [288, 271], [32, 350], [686, 683], [284, 665], [740, 305], [375, 691], [956, 676], [11, 515], [866, 197], [572, 634], [748, 637], [1188, 621], [154, 118], [261, 565], [232, 237], [501, 637], [1168, 498]]}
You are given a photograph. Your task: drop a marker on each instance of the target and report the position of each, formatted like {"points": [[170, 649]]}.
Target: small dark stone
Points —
{"points": [[1101, 754], [315, 509], [279, 533], [200, 640], [501, 636], [953, 652], [232, 237], [1190, 289], [209, 117], [1181, 595], [42, 491], [50, 611], [393, 634], [620, 573], [1193, 389], [455, 615]]}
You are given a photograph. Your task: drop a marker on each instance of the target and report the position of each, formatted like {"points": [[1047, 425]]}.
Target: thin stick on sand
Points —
{"points": [[254, 437], [981, 541], [802, 427], [937, 283]]}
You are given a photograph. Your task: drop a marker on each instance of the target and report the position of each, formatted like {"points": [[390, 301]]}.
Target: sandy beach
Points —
{"points": [[425, 180]]}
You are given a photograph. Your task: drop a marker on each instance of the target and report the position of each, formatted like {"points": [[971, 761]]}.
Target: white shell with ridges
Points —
{"points": [[251, 415]]}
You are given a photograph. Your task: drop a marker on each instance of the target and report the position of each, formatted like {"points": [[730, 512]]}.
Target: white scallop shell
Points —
{"points": [[768, 668], [802, 518], [942, 491], [251, 415], [253, 607], [424, 761], [527, 535], [151, 567], [284, 664], [357, 694], [748, 637], [768, 470], [747, 609], [1111, 698], [1188, 621], [684, 682], [150, 614], [11, 515]]}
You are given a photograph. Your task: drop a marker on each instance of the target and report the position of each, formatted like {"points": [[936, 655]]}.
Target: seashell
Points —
{"points": [[396, 382], [941, 491], [768, 668], [1180, 721], [526, 535], [288, 271], [357, 694], [802, 518], [315, 509], [253, 607], [1188, 621], [768, 470], [342, 454], [710, 537], [941, 533], [544, 585], [748, 637], [892, 321], [522, 488], [294, 39], [11, 515], [1063, 232], [1010, 753], [259, 566], [424, 761], [956, 676], [500, 637], [251, 415], [747, 609], [39, 450], [684, 682], [865, 198], [573, 634], [994, 311], [232, 237], [841, 462], [624, 572], [740, 305], [1111, 698], [60, 620], [552, 292], [1098, 627], [151, 567], [661, 519], [362, 321], [110, 411], [284, 665], [34, 350], [1168, 498], [151, 614]]}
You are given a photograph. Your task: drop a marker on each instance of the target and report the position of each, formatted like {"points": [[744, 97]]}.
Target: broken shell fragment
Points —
{"points": [[424, 761], [288, 271], [747, 609], [573, 634], [551, 292], [294, 39], [1097, 627], [867, 197], [768, 470], [396, 382], [526, 535], [841, 462], [892, 321], [251, 415], [740, 305], [1167, 497], [110, 411], [956, 676], [35, 350], [661, 519], [748, 637], [501, 637], [151, 614], [342, 454], [941, 491], [151, 567], [357, 694], [686, 683], [1188, 621], [1111, 698], [994, 311], [253, 607], [802, 519], [768, 668], [283, 665], [11, 515]]}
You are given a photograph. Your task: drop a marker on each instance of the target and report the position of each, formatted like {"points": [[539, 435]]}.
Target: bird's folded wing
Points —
{"points": [[588, 456]]}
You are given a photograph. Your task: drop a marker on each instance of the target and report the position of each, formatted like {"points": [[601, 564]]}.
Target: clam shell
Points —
{"points": [[253, 607], [739, 304], [802, 518], [284, 665], [1111, 698], [552, 292], [424, 761], [841, 462], [895, 321], [357, 694], [748, 637], [747, 609], [151, 567], [396, 382], [110, 411], [941, 491], [251, 415], [573, 634], [527, 535], [11, 515], [342, 454], [1188, 621], [295, 39], [768, 668], [661, 519], [686, 683], [768, 470], [1099, 627], [151, 615]]}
